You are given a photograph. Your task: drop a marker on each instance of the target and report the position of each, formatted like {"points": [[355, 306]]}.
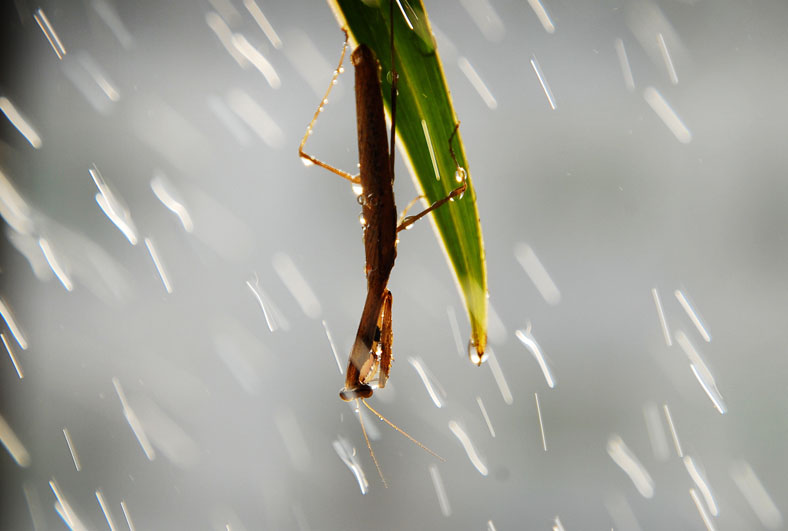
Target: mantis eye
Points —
{"points": [[362, 391]]}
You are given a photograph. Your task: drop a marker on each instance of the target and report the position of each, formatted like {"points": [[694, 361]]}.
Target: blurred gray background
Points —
{"points": [[181, 408]]}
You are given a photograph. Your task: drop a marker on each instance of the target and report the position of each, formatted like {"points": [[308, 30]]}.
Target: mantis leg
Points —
{"points": [[309, 158], [408, 207], [410, 220], [386, 338], [457, 192]]}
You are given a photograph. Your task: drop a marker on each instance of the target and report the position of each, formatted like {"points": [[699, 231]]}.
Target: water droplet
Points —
{"points": [[307, 162], [357, 189], [325, 101], [371, 200], [460, 175], [341, 69], [362, 220], [473, 354]]}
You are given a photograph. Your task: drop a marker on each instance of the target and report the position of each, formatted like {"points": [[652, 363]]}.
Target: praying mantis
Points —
{"points": [[370, 358], [371, 353]]}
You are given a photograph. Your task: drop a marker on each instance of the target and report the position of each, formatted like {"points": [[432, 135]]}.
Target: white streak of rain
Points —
{"points": [[433, 386], [262, 21], [18, 121], [500, 379], [537, 273], [12, 356], [545, 86], [13, 445], [544, 17], [673, 432], [530, 343], [486, 19], [49, 32], [701, 372], [656, 431], [668, 116], [467, 445], [477, 82], [440, 491], [626, 460], [541, 424], [105, 509], [663, 323], [702, 510], [349, 456], [109, 15], [486, 417], [756, 495], [169, 197], [295, 282], [72, 450], [702, 483], [693, 315], [5, 311]]}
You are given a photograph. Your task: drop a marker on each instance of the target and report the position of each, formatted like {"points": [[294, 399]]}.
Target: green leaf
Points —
{"points": [[425, 118]]}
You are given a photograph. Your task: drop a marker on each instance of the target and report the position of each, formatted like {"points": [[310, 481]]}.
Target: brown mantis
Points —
{"points": [[371, 355]]}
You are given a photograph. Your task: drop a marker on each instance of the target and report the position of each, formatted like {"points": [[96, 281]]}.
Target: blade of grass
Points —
{"points": [[425, 121]]}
